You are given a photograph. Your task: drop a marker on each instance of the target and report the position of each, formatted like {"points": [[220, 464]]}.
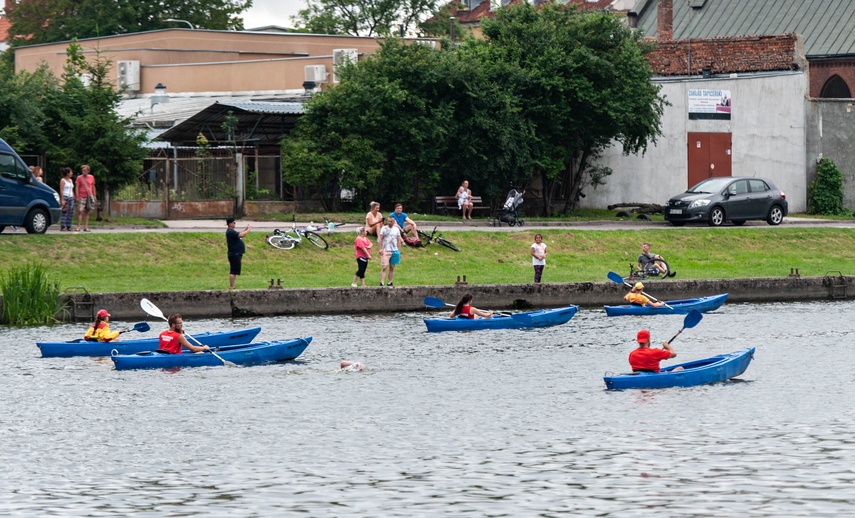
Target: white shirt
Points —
{"points": [[389, 238], [539, 250]]}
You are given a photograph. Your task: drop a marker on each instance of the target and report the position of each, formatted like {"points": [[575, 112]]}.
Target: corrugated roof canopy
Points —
{"points": [[257, 123], [827, 26]]}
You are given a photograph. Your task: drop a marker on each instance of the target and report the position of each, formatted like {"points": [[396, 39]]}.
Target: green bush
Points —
{"points": [[30, 297], [826, 190]]}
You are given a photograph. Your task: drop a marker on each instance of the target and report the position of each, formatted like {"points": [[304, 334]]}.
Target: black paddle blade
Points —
{"points": [[692, 319]]}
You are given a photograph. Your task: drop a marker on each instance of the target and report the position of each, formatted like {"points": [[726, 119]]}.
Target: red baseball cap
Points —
{"points": [[103, 313], [643, 336]]}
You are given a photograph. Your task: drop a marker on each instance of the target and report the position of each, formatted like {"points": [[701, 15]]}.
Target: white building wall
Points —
{"points": [[768, 133]]}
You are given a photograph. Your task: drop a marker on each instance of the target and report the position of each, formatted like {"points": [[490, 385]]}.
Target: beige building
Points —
{"points": [[213, 62]]}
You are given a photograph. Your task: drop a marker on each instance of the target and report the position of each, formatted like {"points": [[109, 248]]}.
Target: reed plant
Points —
{"points": [[30, 295]]}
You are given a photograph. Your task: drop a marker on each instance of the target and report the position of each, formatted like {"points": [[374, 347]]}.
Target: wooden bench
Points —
{"points": [[448, 205]]}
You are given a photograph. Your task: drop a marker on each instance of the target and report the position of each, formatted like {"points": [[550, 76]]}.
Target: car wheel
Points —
{"points": [[776, 215], [738, 222], [677, 223], [717, 217], [36, 222]]}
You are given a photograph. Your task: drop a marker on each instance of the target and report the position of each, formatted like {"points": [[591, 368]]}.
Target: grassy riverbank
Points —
{"points": [[126, 262]]}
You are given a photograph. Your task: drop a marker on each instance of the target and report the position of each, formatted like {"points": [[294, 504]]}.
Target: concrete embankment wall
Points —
{"points": [[277, 302]]}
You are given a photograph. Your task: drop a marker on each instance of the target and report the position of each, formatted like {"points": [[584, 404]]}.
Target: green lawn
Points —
{"points": [[128, 262]]}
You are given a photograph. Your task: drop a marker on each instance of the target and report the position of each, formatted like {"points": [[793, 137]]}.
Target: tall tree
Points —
{"points": [[363, 17], [585, 84], [407, 123], [85, 127], [22, 107], [45, 21]]}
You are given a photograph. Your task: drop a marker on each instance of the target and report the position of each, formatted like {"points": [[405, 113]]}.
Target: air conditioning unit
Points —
{"points": [[128, 75], [427, 43], [316, 73], [341, 57]]}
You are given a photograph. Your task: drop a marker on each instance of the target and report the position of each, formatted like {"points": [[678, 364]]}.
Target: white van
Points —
{"points": [[24, 201]]}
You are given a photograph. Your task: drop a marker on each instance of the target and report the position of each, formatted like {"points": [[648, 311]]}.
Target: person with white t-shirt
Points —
{"points": [[538, 257], [390, 255]]}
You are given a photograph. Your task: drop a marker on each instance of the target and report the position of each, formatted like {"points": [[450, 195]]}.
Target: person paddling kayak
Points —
{"points": [[464, 309], [172, 340], [100, 330], [645, 358]]}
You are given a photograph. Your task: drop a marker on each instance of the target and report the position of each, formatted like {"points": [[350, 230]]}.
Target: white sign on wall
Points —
{"points": [[709, 104]]}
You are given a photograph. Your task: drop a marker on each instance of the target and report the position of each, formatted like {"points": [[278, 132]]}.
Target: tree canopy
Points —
{"points": [[585, 82], [45, 21], [363, 17], [71, 122], [531, 105]]}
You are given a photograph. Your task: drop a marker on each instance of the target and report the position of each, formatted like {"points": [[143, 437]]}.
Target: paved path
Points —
{"points": [[219, 225]]}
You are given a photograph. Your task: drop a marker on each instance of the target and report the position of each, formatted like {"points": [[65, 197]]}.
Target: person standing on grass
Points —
{"points": [[538, 257], [86, 197], [363, 255], [390, 255], [236, 246], [66, 190]]}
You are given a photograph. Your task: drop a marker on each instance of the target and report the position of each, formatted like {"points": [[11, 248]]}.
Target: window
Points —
{"points": [[835, 88], [11, 169], [758, 186]]}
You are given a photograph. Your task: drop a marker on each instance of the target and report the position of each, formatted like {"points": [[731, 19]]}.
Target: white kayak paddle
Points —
{"points": [[154, 311]]}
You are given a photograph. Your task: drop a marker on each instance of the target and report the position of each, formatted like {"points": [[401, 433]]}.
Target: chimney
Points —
{"points": [[665, 20]]}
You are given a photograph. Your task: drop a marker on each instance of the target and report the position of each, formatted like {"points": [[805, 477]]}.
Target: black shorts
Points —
{"points": [[234, 264]]}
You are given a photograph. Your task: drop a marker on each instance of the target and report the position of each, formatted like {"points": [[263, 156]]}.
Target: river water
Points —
{"points": [[488, 423]]}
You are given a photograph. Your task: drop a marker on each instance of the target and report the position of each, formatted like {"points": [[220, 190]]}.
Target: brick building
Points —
{"points": [[825, 25]]}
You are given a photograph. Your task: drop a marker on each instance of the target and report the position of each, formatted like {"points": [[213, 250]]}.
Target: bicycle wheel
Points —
{"points": [[316, 239], [667, 270], [448, 244], [281, 242], [424, 236]]}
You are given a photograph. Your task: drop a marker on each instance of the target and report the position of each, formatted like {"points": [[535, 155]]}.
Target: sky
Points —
{"points": [[271, 12]]}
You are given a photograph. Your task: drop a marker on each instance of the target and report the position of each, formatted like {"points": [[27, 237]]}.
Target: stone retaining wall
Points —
{"points": [[275, 302]]}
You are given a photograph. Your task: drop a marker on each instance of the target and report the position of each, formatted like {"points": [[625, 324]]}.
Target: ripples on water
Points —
{"points": [[490, 423]]}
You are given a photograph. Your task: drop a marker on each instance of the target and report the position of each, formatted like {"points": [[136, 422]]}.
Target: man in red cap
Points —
{"points": [[645, 359]]}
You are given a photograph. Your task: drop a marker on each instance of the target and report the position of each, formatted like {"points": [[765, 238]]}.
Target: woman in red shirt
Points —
{"points": [[464, 309]]}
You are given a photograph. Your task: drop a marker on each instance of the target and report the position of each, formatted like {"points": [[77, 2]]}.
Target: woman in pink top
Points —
{"points": [[362, 246], [85, 185]]}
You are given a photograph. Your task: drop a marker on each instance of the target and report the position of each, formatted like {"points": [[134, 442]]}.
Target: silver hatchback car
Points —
{"points": [[736, 199]]}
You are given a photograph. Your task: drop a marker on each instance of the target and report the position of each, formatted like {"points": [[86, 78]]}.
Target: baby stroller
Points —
{"points": [[508, 212]]}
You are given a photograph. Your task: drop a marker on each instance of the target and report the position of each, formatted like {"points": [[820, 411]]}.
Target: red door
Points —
{"points": [[709, 156]]}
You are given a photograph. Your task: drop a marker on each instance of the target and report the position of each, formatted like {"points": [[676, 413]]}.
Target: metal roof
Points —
{"points": [[827, 26], [259, 123]]}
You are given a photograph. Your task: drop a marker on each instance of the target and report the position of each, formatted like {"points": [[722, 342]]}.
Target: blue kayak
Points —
{"points": [[678, 307], [245, 354], [699, 372], [81, 347], [539, 318]]}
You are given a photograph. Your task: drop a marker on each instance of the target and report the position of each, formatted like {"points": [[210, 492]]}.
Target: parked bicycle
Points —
{"points": [[432, 237], [289, 239], [660, 268]]}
